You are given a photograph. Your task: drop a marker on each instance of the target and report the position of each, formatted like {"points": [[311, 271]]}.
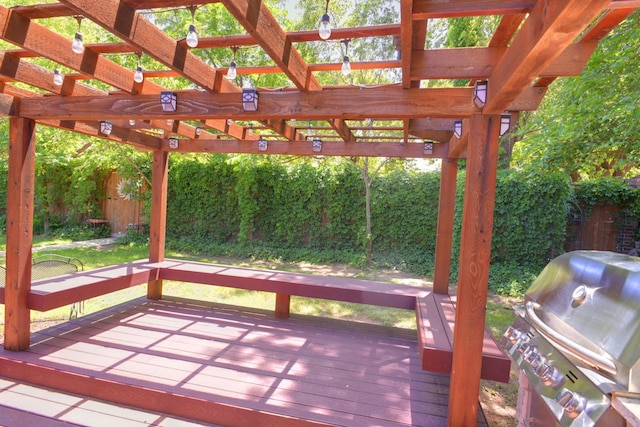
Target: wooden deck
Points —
{"points": [[234, 366]]}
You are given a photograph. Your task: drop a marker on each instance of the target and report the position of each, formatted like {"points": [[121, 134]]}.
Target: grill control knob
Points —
{"points": [[513, 334], [524, 349], [572, 403], [548, 374], [534, 359]]}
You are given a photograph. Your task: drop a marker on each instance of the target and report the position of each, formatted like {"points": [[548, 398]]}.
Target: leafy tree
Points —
{"points": [[589, 126]]}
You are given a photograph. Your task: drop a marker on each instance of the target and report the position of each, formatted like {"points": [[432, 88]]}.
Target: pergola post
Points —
{"points": [[444, 234], [158, 224], [473, 278], [20, 196]]}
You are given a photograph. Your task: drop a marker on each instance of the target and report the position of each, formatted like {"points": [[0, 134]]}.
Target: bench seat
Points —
{"points": [[435, 317], [435, 313], [299, 284], [47, 294]]}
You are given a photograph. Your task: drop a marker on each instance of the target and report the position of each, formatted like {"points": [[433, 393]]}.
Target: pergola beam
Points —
{"points": [[376, 103], [424, 9], [543, 36], [303, 148]]}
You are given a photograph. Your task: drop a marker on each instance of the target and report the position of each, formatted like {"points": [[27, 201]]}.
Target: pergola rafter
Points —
{"points": [[534, 43]]}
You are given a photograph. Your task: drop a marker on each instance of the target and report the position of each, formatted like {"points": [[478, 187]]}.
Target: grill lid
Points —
{"points": [[588, 304]]}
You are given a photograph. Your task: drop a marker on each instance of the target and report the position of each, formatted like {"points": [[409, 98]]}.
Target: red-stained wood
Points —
{"points": [[238, 367], [195, 105], [444, 234], [479, 62], [158, 223], [8, 104], [473, 276], [257, 19], [55, 292], [305, 285], [20, 191], [283, 306], [549, 29], [435, 314], [304, 148]]}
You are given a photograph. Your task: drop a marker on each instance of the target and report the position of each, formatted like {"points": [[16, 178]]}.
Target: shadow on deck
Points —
{"points": [[234, 366]]}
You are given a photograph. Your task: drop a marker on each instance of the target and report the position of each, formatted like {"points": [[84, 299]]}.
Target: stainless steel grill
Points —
{"points": [[577, 338]]}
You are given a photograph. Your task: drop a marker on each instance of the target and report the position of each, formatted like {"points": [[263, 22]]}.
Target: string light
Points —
{"points": [[192, 35], [78, 46], [58, 79], [325, 24], [232, 73], [346, 65], [138, 76]]}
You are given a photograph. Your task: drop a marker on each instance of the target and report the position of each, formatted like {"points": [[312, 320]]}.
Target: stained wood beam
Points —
{"points": [[406, 41], [549, 29], [444, 235], [32, 36], [118, 134], [238, 40], [20, 191], [256, 18], [122, 20], [473, 276], [158, 223], [479, 63], [303, 148], [376, 103], [8, 105], [14, 68], [508, 26], [424, 9], [606, 22], [119, 18]]}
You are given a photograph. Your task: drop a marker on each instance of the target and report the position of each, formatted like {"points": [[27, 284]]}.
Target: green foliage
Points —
{"points": [[405, 211], [530, 217], [589, 126], [606, 191]]}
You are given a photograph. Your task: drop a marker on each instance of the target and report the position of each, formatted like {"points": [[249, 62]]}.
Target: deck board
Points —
{"points": [[328, 371]]}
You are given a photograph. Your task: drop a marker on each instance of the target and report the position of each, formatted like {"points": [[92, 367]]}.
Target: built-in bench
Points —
{"points": [[50, 293], [435, 316], [435, 313]]}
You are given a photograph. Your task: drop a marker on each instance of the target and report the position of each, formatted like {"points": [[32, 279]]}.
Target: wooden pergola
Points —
{"points": [[535, 42]]}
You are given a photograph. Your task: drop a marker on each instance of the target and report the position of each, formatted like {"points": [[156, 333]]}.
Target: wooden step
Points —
{"points": [[435, 316]]}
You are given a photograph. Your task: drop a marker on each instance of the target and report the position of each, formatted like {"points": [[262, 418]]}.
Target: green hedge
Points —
{"points": [[262, 207], [255, 201]]}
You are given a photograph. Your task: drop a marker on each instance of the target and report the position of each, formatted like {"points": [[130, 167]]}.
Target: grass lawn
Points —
{"points": [[499, 312]]}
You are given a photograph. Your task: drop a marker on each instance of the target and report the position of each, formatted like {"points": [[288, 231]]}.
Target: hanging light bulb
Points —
{"points": [[325, 24], [346, 65], [138, 76], [192, 35], [232, 72], [78, 46], [132, 122], [58, 79]]}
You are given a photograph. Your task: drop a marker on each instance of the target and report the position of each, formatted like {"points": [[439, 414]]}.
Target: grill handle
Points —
{"points": [[603, 363]]}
